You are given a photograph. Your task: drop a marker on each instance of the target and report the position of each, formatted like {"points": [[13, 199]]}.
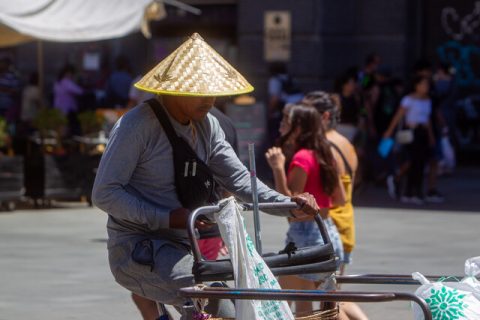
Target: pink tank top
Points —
{"points": [[307, 161]]}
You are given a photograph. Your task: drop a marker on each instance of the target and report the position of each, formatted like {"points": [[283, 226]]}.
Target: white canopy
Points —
{"points": [[76, 20]]}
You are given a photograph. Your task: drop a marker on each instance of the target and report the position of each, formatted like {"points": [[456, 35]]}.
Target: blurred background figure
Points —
{"points": [[66, 92], [9, 90], [385, 101], [414, 115], [31, 101], [350, 105], [366, 76], [136, 96], [118, 84], [282, 89]]}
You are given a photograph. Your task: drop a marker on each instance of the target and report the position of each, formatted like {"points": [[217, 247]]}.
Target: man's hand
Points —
{"points": [[307, 205], [179, 219], [223, 250]]}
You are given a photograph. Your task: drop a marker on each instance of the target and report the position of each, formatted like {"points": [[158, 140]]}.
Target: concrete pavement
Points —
{"points": [[53, 262]]}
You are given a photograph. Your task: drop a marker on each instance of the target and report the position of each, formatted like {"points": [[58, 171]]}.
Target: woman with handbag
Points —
{"points": [[416, 135]]}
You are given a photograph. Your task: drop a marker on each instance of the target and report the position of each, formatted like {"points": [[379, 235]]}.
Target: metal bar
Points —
{"points": [[212, 209], [405, 296], [271, 205], [183, 6], [384, 279], [191, 228], [256, 215], [305, 295], [296, 295]]}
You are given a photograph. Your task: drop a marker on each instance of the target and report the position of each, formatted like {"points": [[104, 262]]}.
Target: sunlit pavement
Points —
{"points": [[54, 265]]}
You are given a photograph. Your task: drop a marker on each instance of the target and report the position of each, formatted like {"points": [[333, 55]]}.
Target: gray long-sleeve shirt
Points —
{"points": [[135, 179]]}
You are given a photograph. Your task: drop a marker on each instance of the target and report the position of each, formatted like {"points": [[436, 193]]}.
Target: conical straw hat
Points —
{"points": [[194, 69]]}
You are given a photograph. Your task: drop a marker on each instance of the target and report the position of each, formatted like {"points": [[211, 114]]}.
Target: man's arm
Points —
{"points": [[118, 163], [233, 175]]}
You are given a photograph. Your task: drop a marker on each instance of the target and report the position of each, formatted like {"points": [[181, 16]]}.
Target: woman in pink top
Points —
{"points": [[312, 169]]}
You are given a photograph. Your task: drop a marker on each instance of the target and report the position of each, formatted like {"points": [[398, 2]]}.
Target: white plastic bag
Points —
{"points": [[249, 269], [448, 154], [451, 300]]}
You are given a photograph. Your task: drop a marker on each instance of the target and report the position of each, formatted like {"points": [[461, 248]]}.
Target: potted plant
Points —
{"points": [[4, 136], [11, 171], [51, 172], [50, 124], [90, 122]]}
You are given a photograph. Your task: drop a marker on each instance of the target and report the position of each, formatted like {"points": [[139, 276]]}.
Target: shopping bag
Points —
{"points": [[385, 147], [448, 154], [249, 269], [404, 136], [451, 300]]}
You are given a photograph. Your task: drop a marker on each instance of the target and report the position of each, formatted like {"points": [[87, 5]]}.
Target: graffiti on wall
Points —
{"points": [[461, 50], [462, 57], [459, 28]]}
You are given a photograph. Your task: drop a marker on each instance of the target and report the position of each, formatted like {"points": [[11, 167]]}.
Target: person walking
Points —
{"points": [[142, 188], [312, 169], [342, 215], [415, 109]]}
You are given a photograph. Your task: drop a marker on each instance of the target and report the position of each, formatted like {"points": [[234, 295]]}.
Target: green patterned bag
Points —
{"points": [[451, 300]]}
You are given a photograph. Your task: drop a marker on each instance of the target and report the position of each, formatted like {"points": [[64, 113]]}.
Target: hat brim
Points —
{"points": [[194, 94]]}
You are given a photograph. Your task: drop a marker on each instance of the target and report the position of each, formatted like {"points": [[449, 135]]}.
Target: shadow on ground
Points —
{"points": [[461, 191]]}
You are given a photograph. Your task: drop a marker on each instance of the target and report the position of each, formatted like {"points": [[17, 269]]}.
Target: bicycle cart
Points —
{"points": [[317, 259]]}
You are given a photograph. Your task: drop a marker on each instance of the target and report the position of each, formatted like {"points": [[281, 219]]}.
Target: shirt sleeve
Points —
{"points": [[406, 102], [116, 167], [73, 87], [230, 172], [302, 159], [274, 87]]}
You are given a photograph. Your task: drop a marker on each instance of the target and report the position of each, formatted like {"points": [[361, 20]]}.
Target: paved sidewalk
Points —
{"points": [[54, 266]]}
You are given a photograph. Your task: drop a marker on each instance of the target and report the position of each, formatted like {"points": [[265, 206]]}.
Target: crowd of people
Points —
{"points": [[399, 127], [71, 92]]}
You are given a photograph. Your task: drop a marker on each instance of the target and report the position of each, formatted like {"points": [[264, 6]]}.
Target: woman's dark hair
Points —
{"points": [[342, 80], [323, 102], [415, 81], [312, 137], [65, 70]]}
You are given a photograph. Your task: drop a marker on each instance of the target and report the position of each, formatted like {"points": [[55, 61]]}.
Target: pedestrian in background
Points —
{"points": [[414, 116], [350, 105], [119, 83], [31, 103], [282, 89], [347, 165], [313, 169], [9, 90], [66, 92]]}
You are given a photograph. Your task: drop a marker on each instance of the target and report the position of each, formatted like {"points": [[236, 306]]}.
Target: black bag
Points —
{"points": [[194, 181]]}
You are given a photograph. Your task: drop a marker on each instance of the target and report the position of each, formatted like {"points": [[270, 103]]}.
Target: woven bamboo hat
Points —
{"points": [[194, 69]]}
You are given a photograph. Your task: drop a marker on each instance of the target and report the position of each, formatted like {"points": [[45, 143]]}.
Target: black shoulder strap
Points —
{"points": [[164, 121], [347, 165]]}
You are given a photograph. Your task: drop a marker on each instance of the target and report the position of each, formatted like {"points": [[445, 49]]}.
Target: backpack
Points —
{"points": [[194, 181]]}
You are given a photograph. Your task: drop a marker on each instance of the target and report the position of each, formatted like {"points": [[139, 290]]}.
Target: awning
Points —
{"points": [[74, 20]]}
